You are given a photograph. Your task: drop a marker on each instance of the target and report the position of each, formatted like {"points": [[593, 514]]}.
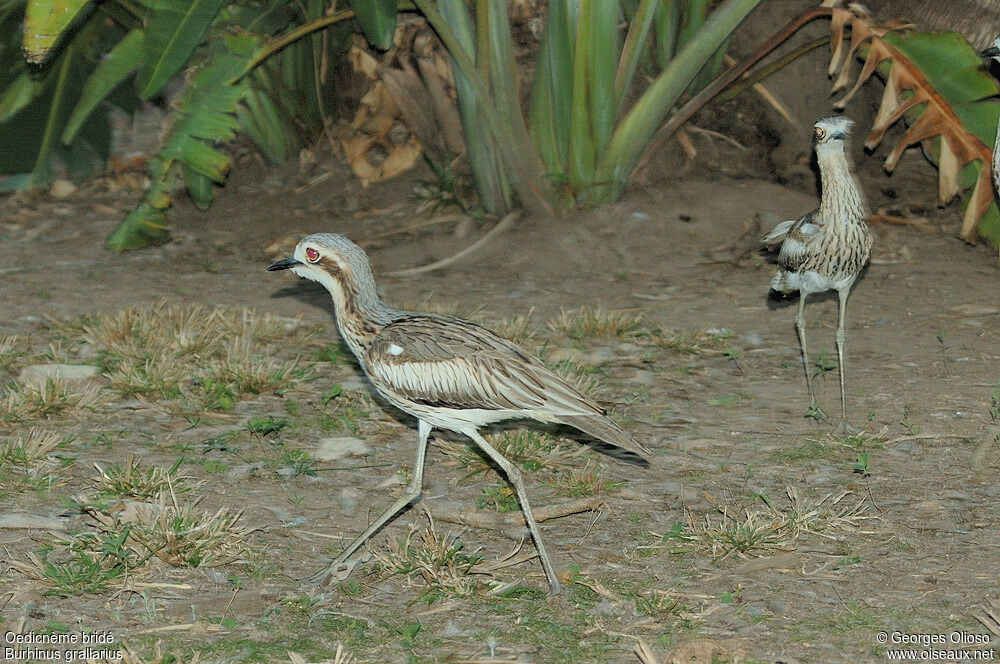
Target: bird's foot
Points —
{"points": [[845, 429], [336, 571], [815, 412]]}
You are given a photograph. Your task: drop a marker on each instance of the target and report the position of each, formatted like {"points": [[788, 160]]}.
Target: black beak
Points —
{"points": [[990, 52], [283, 264]]}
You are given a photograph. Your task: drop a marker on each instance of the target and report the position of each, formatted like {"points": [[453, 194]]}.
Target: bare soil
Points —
{"points": [[909, 548]]}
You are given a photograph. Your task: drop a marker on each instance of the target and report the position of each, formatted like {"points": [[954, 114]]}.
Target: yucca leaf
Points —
{"points": [[21, 92], [636, 42], [642, 120], [580, 166], [534, 192], [121, 61], [604, 58], [176, 29], [480, 141], [692, 18], [44, 22], [524, 162], [667, 22], [377, 19], [550, 107]]}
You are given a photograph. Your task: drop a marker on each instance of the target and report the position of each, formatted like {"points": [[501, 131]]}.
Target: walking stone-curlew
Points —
{"points": [[448, 373], [827, 248]]}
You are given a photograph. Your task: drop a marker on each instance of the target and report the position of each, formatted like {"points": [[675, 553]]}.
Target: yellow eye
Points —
{"points": [[820, 134], [312, 254]]}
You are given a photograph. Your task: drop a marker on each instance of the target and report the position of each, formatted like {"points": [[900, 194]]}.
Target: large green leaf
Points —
{"points": [[21, 92], [31, 136], [480, 141], [119, 63], [176, 29], [377, 19], [549, 111], [44, 22], [641, 122]]}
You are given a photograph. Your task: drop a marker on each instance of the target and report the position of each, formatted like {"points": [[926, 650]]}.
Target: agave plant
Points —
{"points": [[582, 135]]}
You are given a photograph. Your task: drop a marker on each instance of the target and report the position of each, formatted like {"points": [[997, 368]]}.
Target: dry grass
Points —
{"points": [[9, 352], [586, 378], [55, 397], [30, 448], [742, 532], [439, 562], [132, 481], [517, 328], [25, 461], [184, 536], [700, 342], [589, 322], [532, 450], [154, 353]]}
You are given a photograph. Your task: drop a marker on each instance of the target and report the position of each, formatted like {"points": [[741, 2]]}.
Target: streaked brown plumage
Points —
{"points": [[446, 372], [827, 248]]}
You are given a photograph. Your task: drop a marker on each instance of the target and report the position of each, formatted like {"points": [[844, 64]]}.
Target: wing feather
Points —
{"points": [[452, 363]]}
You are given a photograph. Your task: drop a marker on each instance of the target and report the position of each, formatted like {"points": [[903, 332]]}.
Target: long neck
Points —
{"points": [[842, 200], [361, 315]]}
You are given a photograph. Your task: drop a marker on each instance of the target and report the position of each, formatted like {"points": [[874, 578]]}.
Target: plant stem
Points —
{"points": [[685, 112], [736, 88]]}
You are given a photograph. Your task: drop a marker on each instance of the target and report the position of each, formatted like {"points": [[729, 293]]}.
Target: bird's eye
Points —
{"points": [[820, 133], [312, 254]]}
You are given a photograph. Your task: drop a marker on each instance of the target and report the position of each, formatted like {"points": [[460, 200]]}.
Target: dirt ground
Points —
{"points": [[755, 536]]}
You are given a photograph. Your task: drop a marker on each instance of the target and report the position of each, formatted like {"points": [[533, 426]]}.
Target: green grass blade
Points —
{"points": [[176, 29], [121, 61], [642, 120], [636, 41]]}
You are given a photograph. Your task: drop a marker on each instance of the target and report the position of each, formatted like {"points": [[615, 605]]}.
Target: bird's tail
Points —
{"points": [[604, 429]]}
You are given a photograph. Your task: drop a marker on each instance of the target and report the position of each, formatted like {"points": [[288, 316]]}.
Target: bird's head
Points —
{"points": [[325, 256], [831, 133]]}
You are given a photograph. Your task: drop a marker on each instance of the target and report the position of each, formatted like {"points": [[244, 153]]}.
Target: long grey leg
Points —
{"points": [[410, 493], [800, 325], [514, 477], [845, 428]]}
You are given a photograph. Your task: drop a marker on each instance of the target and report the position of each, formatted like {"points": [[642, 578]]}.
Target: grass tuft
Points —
{"points": [[746, 531], [590, 322], [55, 397], [439, 562]]}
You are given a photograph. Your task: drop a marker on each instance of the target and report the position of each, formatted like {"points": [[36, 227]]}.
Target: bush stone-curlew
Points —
{"points": [[448, 373], [827, 248]]}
